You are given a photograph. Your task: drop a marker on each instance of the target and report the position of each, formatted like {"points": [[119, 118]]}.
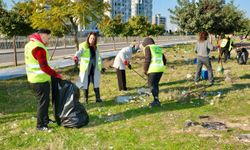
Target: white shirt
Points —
{"points": [[125, 54]]}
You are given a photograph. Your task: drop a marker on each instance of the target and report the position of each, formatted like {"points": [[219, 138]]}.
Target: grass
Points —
{"points": [[134, 125]]}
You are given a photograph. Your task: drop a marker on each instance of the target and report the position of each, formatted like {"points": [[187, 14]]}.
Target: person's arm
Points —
{"points": [[79, 53], [40, 55], [147, 59], [164, 59], [196, 49], [210, 46]]}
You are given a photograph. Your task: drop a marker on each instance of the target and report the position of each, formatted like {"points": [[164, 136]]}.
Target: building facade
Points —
{"points": [[130, 8], [159, 20], [122, 7], [142, 8]]}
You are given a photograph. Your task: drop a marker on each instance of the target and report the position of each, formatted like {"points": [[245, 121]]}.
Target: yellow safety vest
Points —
{"points": [[223, 42], [230, 43], [33, 70], [85, 58], [156, 64]]}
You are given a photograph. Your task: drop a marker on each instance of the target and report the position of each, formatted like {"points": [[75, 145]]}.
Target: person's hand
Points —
{"points": [[75, 58], [58, 76], [103, 70], [125, 62], [129, 66]]}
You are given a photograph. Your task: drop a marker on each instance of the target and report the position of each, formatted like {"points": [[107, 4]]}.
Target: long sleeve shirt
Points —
{"points": [[203, 48], [40, 55]]}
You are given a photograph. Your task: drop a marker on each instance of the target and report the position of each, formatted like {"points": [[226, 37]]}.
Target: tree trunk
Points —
{"points": [[114, 43], [54, 49], [14, 47], [76, 41], [127, 39], [64, 40], [247, 34]]}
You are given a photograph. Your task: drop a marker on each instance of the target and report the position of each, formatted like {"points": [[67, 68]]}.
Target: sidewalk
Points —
{"points": [[14, 72]]}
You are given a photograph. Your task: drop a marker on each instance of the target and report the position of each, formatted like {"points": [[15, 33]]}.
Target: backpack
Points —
{"points": [[68, 111], [242, 56]]}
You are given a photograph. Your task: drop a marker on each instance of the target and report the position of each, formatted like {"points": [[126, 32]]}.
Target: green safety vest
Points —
{"points": [[33, 70], [85, 58], [156, 64], [230, 43], [223, 42]]}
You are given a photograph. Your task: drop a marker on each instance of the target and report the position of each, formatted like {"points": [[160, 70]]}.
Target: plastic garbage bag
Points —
{"points": [[68, 111]]}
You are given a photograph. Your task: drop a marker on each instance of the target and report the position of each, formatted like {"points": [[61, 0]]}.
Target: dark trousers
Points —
{"points": [[42, 93], [91, 79], [226, 53], [204, 61], [153, 83], [121, 76]]}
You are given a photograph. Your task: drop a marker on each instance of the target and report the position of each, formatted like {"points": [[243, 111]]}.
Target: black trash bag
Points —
{"points": [[242, 56], [68, 111]]}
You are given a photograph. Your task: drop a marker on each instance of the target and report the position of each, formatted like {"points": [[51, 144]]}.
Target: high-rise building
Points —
{"points": [[122, 7], [159, 20], [129, 8], [142, 8]]}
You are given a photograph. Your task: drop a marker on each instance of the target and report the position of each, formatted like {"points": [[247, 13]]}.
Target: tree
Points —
{"points": [[64, 16], [156, 30], [13, 24], [111, 28], [127, 30], [140, 26], [214, 16]]}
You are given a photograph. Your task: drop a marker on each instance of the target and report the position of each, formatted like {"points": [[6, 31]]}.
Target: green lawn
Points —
{"points": [[134, 125]]}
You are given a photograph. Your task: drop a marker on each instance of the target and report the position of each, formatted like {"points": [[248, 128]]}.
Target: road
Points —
{"points": [[7, 57]]}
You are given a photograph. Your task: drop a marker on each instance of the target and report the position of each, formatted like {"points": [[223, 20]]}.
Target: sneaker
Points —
{"points": [[43, 129], [155, 103]]}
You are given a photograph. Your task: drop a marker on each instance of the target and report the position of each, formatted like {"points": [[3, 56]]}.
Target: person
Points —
{"points": [[231, 44], [90, 66], [39, 74], [226, 46], [122, 60], [202, 49], [154, 66]]}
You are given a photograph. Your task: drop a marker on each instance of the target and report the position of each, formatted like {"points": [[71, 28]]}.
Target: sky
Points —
{"points": [[162, 6]]}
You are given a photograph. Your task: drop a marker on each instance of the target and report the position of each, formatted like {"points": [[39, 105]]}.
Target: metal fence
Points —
{"points": [[69, 41]]}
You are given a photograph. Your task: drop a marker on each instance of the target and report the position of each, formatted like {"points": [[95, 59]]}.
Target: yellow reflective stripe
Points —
{"points": [[156, 58], [32, 66], [156, 65], [84, 58], [36, 72]]}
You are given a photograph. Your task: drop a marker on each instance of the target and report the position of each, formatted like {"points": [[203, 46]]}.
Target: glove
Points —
{"points": [[129, 66], [58, 76], [103, 70], [75, 58], [125, 62]]}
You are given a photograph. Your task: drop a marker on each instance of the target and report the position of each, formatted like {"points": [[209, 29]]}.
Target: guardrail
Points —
{"points": [[69, 41]]}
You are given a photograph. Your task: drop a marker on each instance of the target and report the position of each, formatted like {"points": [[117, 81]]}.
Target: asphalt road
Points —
{"points": [[7, 56]]}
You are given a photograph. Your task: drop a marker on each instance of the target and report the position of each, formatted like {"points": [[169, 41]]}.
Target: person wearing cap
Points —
{"points": [[122, 60], [154, 66], [90, 66], [39, 73]]}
